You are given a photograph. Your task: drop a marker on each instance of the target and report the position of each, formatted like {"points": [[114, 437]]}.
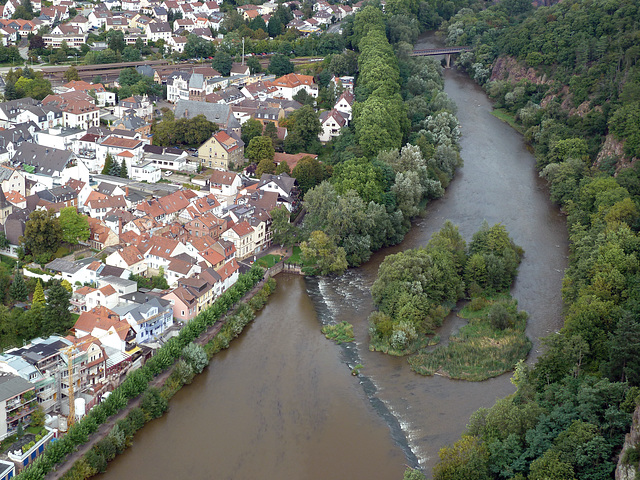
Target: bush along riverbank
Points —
{"points": [[155, 401], [416, 289], [179, 349]]}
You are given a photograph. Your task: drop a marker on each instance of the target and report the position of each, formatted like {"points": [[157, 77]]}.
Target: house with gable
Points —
{"points": [[290, 84], [183, 302], [221, 151], [332, 122], [345, 102], [285, 186], [241, 235], [224, 183], [130, 258], [149, 315]]}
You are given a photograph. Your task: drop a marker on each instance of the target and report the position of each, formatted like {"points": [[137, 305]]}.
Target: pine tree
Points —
{"points": [[124, 172], [115, 169], [57, 318], [39, 299], [108, 164], [18, 289]]}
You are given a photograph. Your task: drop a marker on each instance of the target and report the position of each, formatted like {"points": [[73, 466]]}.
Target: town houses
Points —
{"points": [[170, 226]]}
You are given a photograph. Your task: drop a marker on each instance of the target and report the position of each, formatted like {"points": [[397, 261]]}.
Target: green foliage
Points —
{"points": [[260, 148], [75, 226], [222, 62], [490, 344], [38, 299], [323, 252], [251, 128], [57, 317], [416, 289], [183, 132], [339, 333], [280, 65], [42, 233], [282, 230], [308, 172], [195, 356], [18, 289]]}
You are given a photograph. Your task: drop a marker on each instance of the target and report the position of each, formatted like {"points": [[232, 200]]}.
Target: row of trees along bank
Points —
{"points": [[154, 401], [377, 185], [568, 76]]}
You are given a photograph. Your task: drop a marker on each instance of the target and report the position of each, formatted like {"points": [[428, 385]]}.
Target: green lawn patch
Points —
{"points": [[339, 333], [8, 261], [269, 260], [507, 118], [296, 256], [489, 345]]}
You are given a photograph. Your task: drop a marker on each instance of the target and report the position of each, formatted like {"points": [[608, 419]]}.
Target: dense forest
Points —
{"points": [[569, 78]]}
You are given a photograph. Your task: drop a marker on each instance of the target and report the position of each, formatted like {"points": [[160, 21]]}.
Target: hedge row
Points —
{"points": [[137, 382]]}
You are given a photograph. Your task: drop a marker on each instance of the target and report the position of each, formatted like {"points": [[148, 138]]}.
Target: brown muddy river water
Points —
{"points": [[281, 402]]}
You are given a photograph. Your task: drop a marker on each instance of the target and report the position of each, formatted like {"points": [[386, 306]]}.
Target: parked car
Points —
{"points": [[168, 173]]}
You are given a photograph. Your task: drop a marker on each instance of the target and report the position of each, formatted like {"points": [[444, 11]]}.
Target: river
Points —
{"points": [[281, 403]]}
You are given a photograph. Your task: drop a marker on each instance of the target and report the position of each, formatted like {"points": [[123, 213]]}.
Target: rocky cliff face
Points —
{"points": [[508, 68], [631, 439]]}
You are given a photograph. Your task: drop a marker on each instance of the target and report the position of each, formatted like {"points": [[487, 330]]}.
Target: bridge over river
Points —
{"points": [[446, 51]]}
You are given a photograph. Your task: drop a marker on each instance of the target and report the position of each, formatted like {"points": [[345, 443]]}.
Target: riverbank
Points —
{"points": [[75, 465]]}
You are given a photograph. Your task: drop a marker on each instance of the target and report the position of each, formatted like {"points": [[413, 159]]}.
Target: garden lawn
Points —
{"points": [[269, 260]]}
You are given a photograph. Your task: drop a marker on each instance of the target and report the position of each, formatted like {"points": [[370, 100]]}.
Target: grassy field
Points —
{"points": [[479, 351], [269, 260], [507, 118]]}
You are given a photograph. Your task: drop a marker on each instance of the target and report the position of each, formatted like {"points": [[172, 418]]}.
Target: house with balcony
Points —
{"points": [[17, 401], [38, 363], [149, 315]]}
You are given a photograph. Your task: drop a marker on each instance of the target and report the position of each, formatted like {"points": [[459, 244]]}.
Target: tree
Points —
{"points": [[280, 65], [115, 40], [309, 172], [260, 148], [108, 165], [271, 131], [75, 226], [265, 165], [116, 168], [282, 230], [304, 98], [251, 128], [42, 233], [254, 65], [71, 74], [57, 317], [18, 289], [321, 250], [222, 62], [37, 417], [195, 356], [283, 167], [124, 172], [305, 130], [38, 300], [275, 27], [131, 54]]}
